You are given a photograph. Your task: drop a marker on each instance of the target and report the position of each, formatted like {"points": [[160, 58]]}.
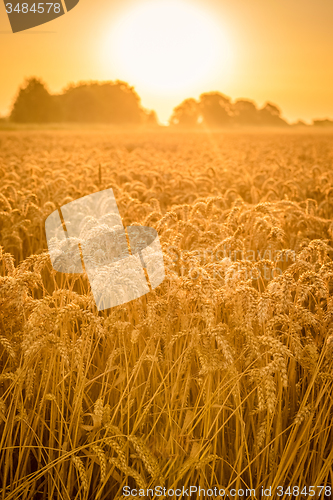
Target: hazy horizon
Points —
{"points": [[279, 53]]}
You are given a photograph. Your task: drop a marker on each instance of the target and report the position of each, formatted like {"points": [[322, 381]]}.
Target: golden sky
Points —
{"points": [[266, 50]]}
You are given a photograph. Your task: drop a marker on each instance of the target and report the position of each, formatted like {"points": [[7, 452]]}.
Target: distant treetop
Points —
{"points": [[214, 109], [104, 102]]}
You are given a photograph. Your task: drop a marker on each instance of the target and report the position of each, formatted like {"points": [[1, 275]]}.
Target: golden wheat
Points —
{"points": [[220, 376]]}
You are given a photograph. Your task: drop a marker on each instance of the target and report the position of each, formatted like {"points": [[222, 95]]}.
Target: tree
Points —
{"points": [[186, 114], [111, 102], [270, 115], [245, 112], [108, 102], [33, 103], [216, 109], [323, 123], [150, 117]]}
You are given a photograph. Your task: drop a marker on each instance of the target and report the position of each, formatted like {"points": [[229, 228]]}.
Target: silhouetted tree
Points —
{"points": [[270, 115], [33, 103], [112, 102], [215, 109], [300, 123], [150, 117], [186, 114], [245, 112], [323, 123]]}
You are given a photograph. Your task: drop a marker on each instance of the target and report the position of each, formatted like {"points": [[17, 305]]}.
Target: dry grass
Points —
{"points": [[221, 376]]}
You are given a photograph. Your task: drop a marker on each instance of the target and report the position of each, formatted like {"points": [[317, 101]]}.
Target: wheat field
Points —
{"points": [[221, 376]]}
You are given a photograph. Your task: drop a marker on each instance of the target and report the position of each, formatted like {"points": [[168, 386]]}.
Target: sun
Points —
{"points": [[167, 45]]}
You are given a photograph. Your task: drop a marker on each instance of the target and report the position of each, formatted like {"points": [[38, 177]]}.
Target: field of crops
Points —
{"points": [[222, 375]]}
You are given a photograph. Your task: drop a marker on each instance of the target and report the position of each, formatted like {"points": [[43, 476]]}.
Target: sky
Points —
{"points": [[278, 51]]}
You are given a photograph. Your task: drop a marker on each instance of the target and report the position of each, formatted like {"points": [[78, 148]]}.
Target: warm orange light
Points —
{"points": [[167, 46]]}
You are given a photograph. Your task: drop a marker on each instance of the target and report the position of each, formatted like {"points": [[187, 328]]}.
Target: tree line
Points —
{"points": [[214, 109], [104, 102], [116, 102]]}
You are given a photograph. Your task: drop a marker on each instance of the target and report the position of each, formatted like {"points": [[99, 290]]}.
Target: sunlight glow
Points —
{"points": [[167, 46]]}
